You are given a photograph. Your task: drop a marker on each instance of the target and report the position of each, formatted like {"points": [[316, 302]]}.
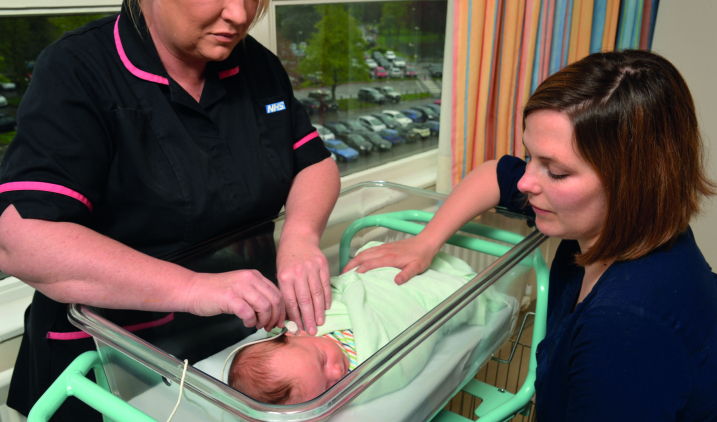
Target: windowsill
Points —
{"points": [[15, 297]]}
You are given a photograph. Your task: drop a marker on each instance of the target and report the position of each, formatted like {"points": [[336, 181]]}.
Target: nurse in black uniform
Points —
{"points": [[141, 135]]}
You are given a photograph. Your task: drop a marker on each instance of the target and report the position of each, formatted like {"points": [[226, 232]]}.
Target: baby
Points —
{"points": [[367, 311]]}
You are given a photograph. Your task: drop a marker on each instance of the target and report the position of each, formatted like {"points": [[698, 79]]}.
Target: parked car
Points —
{"points": [[377, 55], [371, 123], [436, 108], [408, 134], [435, 70], [371, 63], [325, 133], [311, 105], [378, 142], [371, 95], [396, 72], [380, 72], [337, 128], [343, 152], [390, 93], [434, 126], [391, 135], [7, 86], [3, 101], [410, 71], [385, 64], [414, 115], [437, 102], [398, 117], [420, 129], [354, 126], [426, 113], [387, 120], [399, 62], [357, 142], [7, 123], [324, 98], [390, 55]]}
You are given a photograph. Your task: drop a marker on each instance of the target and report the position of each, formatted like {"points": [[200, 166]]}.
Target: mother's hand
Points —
{"points": [[244, 293], [304, 280], [409, 255]]}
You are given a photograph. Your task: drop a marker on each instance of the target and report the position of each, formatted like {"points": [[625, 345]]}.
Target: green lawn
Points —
{"points": [[355, 104]]}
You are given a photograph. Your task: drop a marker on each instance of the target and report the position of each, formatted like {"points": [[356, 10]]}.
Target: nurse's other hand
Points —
{"points": [[409, 255], [304, 280], [244, 293]]}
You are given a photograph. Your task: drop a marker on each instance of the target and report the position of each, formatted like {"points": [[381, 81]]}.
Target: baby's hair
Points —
{"points": [[251, 373]]}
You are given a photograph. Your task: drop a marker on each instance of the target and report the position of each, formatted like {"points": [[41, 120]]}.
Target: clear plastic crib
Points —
{"points": [[138, 377]]}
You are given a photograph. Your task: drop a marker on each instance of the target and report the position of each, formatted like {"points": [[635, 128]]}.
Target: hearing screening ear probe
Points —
{"points": [[290, 327]]}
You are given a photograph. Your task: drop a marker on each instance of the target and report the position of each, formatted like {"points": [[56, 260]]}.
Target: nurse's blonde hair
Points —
{"points": [[133, 7]]}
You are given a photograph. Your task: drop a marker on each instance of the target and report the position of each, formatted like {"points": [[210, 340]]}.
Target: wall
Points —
{"points": [[684, 33]]}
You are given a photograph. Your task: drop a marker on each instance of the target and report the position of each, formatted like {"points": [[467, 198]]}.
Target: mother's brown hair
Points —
{"points": [[634, 122]]}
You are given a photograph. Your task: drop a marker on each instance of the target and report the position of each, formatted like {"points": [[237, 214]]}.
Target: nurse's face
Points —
{"points": [[199, 30], [566, 193]]}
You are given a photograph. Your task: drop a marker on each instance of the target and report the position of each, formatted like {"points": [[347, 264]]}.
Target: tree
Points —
{"points": [[395, 16], [332, 47]]}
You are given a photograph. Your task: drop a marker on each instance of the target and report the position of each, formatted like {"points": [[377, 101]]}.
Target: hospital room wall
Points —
{"points": [[683, 34]]}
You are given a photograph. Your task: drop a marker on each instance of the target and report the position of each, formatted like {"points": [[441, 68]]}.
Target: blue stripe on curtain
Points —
{"points": [[653, 18], [468, 77], [556, 49], [598, 25], [566, 42], [535, 80]]}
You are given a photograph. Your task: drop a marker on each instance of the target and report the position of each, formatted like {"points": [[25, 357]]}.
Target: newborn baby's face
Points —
{"points": [[314, 364]]}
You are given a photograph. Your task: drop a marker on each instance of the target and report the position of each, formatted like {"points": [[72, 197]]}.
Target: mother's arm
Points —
{"points": [[303, 270], [70, 263], [476, 193]]}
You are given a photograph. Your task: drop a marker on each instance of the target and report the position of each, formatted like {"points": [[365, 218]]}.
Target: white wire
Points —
{"points": [[181, 390]]}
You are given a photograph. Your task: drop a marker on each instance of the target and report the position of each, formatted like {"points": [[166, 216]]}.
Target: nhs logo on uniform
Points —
{"points": [[271, 108]]}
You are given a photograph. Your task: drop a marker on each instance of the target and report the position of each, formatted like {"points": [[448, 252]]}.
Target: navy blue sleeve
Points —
{"points": [[510, 170]]}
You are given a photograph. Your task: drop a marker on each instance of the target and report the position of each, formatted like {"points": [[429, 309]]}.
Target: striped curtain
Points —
{"points": [[502, 51]]}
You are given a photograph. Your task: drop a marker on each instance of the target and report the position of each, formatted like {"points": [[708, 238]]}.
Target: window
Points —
{"points": [[374, 62], [22, 40]]}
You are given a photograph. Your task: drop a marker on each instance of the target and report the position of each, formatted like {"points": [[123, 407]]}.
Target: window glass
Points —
{"points": [[367, 59], [21, 41]]}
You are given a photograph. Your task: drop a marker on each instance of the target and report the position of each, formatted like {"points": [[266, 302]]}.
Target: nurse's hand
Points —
{"points": [[244, 293], [410, 255], [303, 273]]}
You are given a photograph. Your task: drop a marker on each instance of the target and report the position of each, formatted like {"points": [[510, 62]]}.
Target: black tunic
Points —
{"points": [[108, 140]]}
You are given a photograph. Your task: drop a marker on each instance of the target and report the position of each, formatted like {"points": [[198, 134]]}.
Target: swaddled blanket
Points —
{"points": [[378, 310]]}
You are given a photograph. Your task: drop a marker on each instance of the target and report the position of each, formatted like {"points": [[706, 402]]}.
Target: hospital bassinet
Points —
{"points": [[143, 375]]}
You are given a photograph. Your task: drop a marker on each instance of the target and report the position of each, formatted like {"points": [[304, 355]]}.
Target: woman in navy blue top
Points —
{"points": [[615, 169], [141, 135]]}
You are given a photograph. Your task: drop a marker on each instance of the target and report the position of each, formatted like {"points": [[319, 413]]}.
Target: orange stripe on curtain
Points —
{"points": [[531, 22], [580, 30], [611, 20], [510, 56], [547, 41], [470, 25], [492, 105]]}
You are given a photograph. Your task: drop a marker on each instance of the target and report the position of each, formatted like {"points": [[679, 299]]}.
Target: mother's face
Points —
{"points": [[566, 193], [204, 30]]}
